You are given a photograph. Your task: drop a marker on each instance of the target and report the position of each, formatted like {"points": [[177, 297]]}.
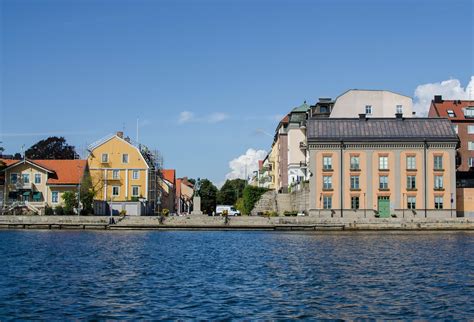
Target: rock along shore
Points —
{"points": [[202, 222]]}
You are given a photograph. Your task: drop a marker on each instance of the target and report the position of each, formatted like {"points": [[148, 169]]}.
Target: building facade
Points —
{"points": [[372, 103], [41, 183], [122, 172], [167, 184], [296, 133], [382, 167]]}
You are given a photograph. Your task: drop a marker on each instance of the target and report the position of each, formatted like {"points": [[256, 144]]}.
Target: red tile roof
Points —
{"points": [[64, 171], [169, 175], [9, 162], [441, 109]]}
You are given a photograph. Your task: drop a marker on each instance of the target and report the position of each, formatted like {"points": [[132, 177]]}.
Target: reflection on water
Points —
{"points": [[219, 275]]}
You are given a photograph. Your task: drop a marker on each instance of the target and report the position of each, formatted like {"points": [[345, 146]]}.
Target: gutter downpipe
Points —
{"points": [[342, 186], [425, 146]]}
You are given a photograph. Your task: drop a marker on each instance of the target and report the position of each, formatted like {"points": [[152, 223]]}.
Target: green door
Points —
{"points": [[384, 207]]}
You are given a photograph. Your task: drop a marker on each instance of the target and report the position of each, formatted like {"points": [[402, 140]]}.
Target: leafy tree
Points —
{"points": [[208, 194], [192, 181], [250, 197], [52, 148], [70, 202], [230, 192], [87, 196]]}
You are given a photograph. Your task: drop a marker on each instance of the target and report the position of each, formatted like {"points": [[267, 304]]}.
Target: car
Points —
{"points": [[231, 211]]}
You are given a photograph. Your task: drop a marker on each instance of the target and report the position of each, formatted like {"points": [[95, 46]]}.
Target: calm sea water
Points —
{"points": [[221, 275]]}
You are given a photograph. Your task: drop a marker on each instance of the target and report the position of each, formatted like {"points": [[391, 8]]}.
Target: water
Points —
{"points": [[221, 275]]}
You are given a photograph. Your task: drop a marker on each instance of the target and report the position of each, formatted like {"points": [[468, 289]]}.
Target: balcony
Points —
{"points": [[20, 186]]}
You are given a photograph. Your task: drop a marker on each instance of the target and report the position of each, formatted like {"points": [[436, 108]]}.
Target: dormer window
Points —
{"points": [[368, 109], [469, 112], [399, 109], [451, 113]]}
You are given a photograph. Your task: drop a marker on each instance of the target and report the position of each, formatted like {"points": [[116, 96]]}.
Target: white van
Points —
{"points": [[231, 211]]}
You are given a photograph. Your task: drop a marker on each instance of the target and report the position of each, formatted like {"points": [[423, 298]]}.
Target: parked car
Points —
{"points": [[231, 211]]}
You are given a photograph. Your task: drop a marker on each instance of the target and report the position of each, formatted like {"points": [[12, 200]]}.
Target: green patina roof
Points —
{"points": [[302, 108]]}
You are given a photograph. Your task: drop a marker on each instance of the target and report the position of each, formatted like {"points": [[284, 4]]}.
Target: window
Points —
{"points": [[451, 113], [368, 109], [105, 158], [411, 182], [411, 162], [438, 182], [13, 178], [327, 202], [115, 174], [470, 145], [124, 158], [135, 175], [355, 182], [115, 191], [438, 202], [54, 196], [456, 129], [399, 109], [327, 163], [438, 162], [470, 129], [354, 202], [327, 182], [135, 191], [471, 162], [355, 165], [469, 112], [37, 178], [383, 163], [411, 202], [383, 182], [25, 177]]}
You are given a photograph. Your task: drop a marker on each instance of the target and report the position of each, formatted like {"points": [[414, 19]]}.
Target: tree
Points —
{"points": [[231, 191], [52, 148], [87, 196], [70, 202], [208, 194], [2, 164], [250, 197]]}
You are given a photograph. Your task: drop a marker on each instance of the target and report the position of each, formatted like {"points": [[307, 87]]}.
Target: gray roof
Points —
{"points": [[381, 129]]}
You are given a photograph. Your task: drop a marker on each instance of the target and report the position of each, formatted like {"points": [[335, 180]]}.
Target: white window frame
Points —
{"points": [[115, 174], [451, 113], [356, 162], [137, 172], [355, 182], [456, 128], [438, 162], [438, 182], [38, 175], [411, 182], [113, 191], [327, 202], [470, 162], [11, 178], [383, 184], [411, 162], [438, 202], [125, 158], [399, 109], [25, 175], [411, 202], [470, 129], [355, 202], [469, 112], [55, 197], [383, 162], [368, 110], [105, 158], [327, 162], [327, 182], [138, 191]]}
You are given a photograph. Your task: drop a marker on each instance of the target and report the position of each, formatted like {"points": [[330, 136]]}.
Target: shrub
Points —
{"points": [[270, 214], [48, 211], [290, 213], [59, 211], [165, 212], [123, 212], [70, 202], [251, 195], [239, 205]]}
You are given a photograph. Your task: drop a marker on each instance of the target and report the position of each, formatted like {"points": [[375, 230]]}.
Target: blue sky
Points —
{"points": [[204, 76]]}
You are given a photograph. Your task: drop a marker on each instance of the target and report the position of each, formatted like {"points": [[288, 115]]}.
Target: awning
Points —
{"points": [[37, 196], [26, 193]]}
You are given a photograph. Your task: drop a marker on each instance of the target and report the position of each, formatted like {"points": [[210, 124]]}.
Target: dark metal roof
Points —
{"points": [[380, 129]]}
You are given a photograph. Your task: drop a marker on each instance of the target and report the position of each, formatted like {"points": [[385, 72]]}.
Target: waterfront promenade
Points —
{"points": [[202, 222]]}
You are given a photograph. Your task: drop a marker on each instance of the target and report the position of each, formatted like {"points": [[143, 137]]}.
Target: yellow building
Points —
{"points": [[122, 172], [382, 167]]}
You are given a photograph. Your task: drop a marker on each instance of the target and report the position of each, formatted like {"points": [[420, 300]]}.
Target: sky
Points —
{"points": [[209, 80]]}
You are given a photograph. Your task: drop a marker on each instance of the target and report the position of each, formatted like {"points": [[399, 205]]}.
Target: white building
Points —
{"points": [[373, 103]]}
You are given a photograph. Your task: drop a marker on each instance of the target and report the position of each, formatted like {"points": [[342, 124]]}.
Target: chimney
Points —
{"points": [[127, 139], [362, 117], [399, 116], [438, 99], [120, 134]]}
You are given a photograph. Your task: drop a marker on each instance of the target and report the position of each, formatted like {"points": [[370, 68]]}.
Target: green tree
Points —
{"points": [[87, 196], [2, 164], [52, 148], [231, 191], [250, 197], [208, 194], [70, 202]]}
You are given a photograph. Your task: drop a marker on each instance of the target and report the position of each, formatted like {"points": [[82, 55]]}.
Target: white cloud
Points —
{"points": [[245, 164], [449, 89], [188, 117]]}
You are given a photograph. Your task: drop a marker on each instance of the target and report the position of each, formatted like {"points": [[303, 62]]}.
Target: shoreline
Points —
{"points": [[244, 223]]}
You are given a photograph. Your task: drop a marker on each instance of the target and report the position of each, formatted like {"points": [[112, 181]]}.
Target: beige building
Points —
{"points": [[372, 103], [382, 167]]}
